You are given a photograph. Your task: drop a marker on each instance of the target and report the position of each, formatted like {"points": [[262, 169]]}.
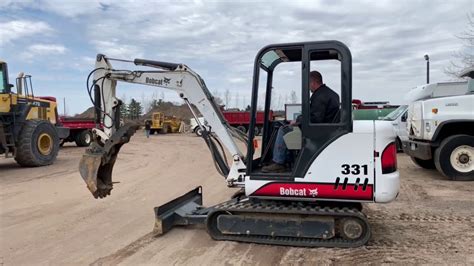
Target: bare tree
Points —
{"points": [[237, 100], [274, 103], [124, 98], [227, 97], [465, 57], [153, 103], [293, 97], [279, 103], [145, 104], [218, 100]]}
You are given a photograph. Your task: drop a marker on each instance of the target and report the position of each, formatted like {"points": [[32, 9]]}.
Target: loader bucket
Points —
{"points": [[184, 210], [98, 162]]}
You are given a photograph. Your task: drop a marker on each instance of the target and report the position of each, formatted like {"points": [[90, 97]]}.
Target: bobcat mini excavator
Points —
{"points": [[317, 203]]}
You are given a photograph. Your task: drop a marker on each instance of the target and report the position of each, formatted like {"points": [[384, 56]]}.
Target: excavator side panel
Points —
{"points": [[343, 171]]}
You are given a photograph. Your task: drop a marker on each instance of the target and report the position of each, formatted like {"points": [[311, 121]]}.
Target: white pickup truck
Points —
{"points": [[441, 128], [399, 123], [194, 126]]}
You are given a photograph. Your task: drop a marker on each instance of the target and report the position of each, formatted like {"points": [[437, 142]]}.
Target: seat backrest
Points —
{"points": [[337, 117], [293, 139]]}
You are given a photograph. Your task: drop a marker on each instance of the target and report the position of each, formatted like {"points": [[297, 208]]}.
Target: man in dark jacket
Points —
{"points": [[324, 108], [147, 128]]}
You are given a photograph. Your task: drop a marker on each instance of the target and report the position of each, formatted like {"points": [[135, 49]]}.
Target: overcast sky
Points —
{"points": [[56, 41]]}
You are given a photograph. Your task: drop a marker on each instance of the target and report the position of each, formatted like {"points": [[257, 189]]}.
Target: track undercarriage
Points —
{"points": [[268, 222]]}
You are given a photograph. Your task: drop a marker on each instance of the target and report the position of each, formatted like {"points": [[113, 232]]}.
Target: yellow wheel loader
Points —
{"points": [[164, 124], [29, 126]]}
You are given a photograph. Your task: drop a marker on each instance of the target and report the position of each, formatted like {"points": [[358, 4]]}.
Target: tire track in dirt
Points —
{"points": [[125, 252], [421, 218], [409, 191], [410, 244]]}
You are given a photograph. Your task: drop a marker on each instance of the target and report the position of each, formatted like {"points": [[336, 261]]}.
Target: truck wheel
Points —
{"points": [[38, 144], [152, 131], [242, 128], [257, 131], [427, 164], [84, 138], [454, 158], [198, 131], [399, 145]]}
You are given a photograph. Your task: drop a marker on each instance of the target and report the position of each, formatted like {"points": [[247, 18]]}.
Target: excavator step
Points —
{"points": [[286, 223], [7, 142]]}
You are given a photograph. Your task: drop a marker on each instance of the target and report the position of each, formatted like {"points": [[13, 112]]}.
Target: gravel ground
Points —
{"points": [[47, 215]]}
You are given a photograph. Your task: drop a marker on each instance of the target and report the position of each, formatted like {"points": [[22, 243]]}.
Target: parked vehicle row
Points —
{"points": [[80, 130], [237, 119]]}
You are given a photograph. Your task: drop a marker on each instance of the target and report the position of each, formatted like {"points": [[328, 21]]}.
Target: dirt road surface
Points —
{"points": [[47, 215]]}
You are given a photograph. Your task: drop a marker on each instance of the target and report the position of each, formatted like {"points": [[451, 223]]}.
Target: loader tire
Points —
{"points": [[165, 129], [38, 144], [427, 164], [454, 157], [83, 139], [257, 131], [243, 129]]}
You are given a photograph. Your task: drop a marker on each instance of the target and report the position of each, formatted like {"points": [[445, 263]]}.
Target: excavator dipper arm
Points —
{"points": [[97, 163]]}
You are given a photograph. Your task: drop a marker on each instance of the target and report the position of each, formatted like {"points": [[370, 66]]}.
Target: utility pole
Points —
{"points": [[427, 58]]}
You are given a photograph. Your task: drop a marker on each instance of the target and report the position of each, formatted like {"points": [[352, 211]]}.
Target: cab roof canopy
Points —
{"points": [[468, 72], [273, 57]]}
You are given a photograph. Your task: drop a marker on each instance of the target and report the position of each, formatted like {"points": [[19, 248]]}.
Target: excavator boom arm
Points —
{"points": [[97, 164]]}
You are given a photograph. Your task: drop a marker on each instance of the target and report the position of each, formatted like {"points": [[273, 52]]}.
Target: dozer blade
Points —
{"points": [[97, 163], [184, 210]]}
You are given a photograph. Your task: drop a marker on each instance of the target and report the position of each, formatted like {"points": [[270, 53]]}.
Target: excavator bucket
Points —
{"points": [[97, 174], [88, 168], [97, 163], [184, 210]]}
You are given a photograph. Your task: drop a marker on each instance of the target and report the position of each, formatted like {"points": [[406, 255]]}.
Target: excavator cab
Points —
{"points": [[308, 139]]}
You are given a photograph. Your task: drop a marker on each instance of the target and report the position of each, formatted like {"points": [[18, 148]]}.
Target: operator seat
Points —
{"points": [[293, 139]]}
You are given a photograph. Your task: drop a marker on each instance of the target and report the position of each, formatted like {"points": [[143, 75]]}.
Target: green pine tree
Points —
{"points": [[124, 110], [132, 109]]}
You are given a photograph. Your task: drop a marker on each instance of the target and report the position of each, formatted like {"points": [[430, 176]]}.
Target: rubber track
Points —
{"points": [[280, 207]]}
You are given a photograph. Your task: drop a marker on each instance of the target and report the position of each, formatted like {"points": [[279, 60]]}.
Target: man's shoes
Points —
{"points": [[274, 168]]}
